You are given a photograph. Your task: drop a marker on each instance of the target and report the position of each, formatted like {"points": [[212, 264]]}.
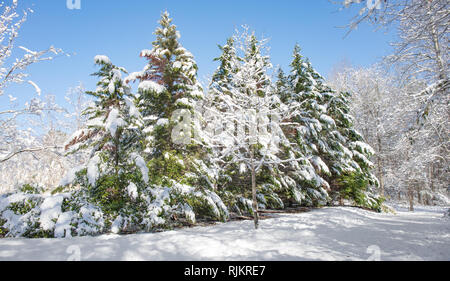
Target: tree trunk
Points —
{"points": [[411, 198], [419, 195], [437, 50], [380, 179], [380, 166], [431, 175], [410, 190], [255, 202]]}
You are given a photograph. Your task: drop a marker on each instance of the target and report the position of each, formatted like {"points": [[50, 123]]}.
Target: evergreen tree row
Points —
{"points": [[173, 154]]}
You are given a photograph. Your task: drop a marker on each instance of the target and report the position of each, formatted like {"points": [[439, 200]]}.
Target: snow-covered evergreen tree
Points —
{"points": [[222, 77], [325, 140], [246, 133], [168, 90], [305, 178], [107, 191], [115, 172], [282, 86], [348, 156], [168, 99]]}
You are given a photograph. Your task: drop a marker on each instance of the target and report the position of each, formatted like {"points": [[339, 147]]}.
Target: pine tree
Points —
{"points": [[349, 156], [222, 77], [168, 83], [323, 136], [168, 99], [115, 172], [282, 86], [304, 179]]}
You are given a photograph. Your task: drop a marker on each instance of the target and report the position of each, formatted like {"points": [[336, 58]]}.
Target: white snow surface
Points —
{"points": [[339, 233]]}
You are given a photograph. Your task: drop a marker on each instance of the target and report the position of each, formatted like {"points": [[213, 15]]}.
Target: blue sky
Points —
{"points": [[121, 29]]}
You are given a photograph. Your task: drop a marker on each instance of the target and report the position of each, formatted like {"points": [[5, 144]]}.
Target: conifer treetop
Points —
{"points": [[169, 63], [304, 77], [112, 95]]}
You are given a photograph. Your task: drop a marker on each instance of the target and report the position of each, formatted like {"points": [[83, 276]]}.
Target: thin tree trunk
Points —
{"points": [[411, 198], [437, 50], [255, 202], [410, 190], [419, 195], [381, 180], [431, 175]]}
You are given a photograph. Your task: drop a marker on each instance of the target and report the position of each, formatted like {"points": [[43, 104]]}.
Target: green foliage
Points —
{"points": [[34, 231], [167, 166], [109, 193], [3, 231], [269, 198], [243, 206], [31, 189], [354, 187], [58, 190], [203, 208], [22, 207]]}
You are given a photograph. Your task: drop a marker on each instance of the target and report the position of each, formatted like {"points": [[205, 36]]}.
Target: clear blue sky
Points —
{"points": [[121, 29]]}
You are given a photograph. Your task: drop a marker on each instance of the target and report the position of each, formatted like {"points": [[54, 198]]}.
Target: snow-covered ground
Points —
{"points": [[324, 234]]}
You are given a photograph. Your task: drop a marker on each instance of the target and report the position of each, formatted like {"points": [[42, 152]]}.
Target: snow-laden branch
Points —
{"points": [[14, 62], [35, 149]]}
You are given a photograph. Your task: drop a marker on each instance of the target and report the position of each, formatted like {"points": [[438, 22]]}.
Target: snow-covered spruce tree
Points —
{"points": [[304, 179], [108, 186], [116, 173], [246, 132], [348, 156], [168, 98], [222, 77], [282, 86], [373, 102], [331, 149]]}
